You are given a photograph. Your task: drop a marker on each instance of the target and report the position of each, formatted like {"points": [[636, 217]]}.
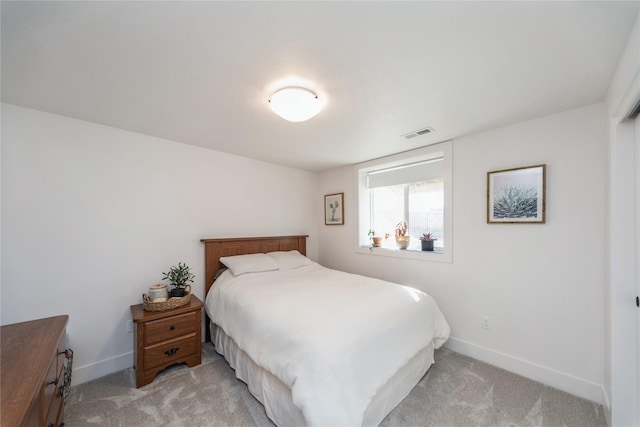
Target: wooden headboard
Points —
{"points": [[214, 249]]}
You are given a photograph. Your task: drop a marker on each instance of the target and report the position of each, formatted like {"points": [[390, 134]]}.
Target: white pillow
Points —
{"points": [[289, 260], [250, 263]]}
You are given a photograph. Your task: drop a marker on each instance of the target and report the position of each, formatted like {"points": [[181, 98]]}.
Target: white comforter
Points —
{"points": [[333, 338]]}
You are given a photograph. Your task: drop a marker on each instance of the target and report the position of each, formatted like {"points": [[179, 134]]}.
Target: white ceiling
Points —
{"points": [[201, 72]]}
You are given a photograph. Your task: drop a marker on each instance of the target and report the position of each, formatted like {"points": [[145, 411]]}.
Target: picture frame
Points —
{"points": [[334, 209], [517, 195]]}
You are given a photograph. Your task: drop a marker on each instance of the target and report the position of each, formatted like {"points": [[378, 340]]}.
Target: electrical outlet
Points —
{"points": [[129, 326], [486, 322]]}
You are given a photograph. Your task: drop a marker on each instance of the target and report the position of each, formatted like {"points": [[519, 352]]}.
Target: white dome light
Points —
{"points": [[295, 104]]}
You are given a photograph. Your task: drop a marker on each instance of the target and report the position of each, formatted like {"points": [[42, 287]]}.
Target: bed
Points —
{"points": [[316, 346]]}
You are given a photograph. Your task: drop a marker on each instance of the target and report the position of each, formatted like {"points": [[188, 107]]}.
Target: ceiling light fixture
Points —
{"points": [[295, 103]]}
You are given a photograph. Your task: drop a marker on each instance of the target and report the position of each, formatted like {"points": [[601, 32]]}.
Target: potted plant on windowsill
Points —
{"points": [[178, 277], [402, 240], [426, 241], [376, 241]]}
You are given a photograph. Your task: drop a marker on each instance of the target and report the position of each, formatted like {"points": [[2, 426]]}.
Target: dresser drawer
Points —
{"points": [[172, 327], [51, 394], [49, 387], [62, 350], [56, 412], [171, 351]]}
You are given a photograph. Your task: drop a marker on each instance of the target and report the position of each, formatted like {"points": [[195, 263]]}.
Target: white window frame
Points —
{"points": [[363, 214]]}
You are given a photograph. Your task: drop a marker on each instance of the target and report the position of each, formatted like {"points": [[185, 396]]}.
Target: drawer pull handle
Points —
{"points": [[172, 351], [172, 327], [54, 382]]}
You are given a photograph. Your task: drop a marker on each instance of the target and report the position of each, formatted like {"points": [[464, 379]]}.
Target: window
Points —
{"points": [[412, 187]]}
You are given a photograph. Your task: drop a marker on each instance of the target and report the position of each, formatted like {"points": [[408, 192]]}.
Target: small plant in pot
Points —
{"points": [[426, 241], [178, 277], [376, 241], [402, 240]]}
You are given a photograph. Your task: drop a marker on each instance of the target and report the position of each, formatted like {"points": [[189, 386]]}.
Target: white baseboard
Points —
{"points": [[551, 377], [92, 371]]}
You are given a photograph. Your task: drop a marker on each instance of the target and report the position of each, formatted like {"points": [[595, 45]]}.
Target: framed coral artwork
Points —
{"points": [[517, 196], [334, 209]]}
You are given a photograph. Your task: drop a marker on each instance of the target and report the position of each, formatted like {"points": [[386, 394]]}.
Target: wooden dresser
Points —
{"points": [[32, 367], [164, 338]]}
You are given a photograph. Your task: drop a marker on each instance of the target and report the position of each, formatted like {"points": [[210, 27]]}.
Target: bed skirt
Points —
{"points": [[276, 398]]}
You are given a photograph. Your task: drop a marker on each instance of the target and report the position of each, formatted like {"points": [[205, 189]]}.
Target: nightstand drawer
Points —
{"points": [[172, 327], [170, 351]]}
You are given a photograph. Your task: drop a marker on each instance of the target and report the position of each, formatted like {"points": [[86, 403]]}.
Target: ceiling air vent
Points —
{"points": [[418, 133]]}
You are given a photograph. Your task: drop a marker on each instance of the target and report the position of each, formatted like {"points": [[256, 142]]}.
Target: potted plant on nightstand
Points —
{"points": [[178, 277], [402, 240], [426, 241]]}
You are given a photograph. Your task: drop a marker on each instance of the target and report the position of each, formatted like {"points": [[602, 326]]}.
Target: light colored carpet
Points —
{"points": [[457, 391]]}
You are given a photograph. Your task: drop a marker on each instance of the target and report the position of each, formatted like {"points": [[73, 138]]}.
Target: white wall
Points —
{"points": [[92, 215], [542, 285]]}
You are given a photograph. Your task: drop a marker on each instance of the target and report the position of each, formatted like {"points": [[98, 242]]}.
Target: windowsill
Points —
{"points": [[437, 255]]}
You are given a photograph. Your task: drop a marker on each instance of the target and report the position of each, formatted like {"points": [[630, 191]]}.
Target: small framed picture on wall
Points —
{"points": [[334, 209], [517, 196]]}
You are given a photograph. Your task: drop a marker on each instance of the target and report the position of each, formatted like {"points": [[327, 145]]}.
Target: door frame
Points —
{"points": [[622, 266]]}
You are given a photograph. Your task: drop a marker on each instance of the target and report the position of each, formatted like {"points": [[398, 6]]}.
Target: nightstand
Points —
{"points": [[164, 338]]}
